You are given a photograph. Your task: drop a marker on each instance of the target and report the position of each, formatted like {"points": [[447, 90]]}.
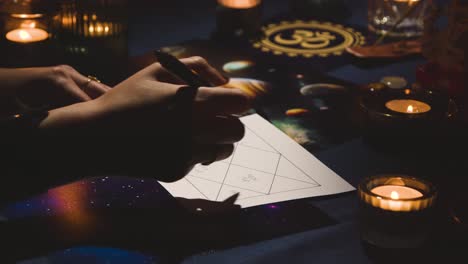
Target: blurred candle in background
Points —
{"points": [[408, 106], [27, 33], [238, 19], [239, 4], [93, 34]]}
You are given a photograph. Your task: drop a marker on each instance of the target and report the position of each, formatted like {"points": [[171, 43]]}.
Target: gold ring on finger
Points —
{"points": [[91, 79]]}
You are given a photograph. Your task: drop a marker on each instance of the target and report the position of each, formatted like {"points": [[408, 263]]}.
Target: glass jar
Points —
{"points": [[28, 33], [28, 21], [93, 36], [398, 18]]}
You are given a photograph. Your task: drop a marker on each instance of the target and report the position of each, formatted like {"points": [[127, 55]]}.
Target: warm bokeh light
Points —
{"points": [[26, 15], [88, 25], [239, 4], [394, 195], [410, 109]]}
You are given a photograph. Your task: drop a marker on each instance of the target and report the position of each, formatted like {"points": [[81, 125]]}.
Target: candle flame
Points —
{"points": [[24, 35], [410, 109], [394, 195]]}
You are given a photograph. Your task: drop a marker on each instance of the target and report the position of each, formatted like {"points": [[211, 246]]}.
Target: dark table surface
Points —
{"points": [[126, 220]]}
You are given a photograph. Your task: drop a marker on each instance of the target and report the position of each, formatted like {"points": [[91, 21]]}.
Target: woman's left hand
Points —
{"points": [[50, 87]]}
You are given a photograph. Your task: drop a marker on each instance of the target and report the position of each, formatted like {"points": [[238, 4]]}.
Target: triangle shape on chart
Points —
{"points": [[228, 191], [252, 140], [209, 189], [282, 184], [190, 192], [289, 170]]}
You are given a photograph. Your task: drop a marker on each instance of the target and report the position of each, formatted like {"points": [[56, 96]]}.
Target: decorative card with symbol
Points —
{"points": [[265, 167]]}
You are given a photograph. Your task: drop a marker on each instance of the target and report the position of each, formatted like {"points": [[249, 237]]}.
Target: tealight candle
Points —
{"points": [[27, 35], [408, 106], [395, 210], [406, 120], [27, 32], [397, 192], [397, 195]]}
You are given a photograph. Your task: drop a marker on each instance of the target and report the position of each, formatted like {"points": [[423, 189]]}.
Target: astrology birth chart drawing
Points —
{"points": [[308, 39], [260, 172]]}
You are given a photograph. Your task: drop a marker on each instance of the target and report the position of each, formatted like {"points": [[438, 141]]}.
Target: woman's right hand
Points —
{"points": [[153, 125]]}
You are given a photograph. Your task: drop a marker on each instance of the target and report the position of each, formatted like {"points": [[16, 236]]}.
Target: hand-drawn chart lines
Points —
{"points": [[254, 169]]}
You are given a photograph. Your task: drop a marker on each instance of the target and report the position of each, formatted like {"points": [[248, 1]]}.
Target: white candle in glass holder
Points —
{"points": [[395, 197], [27, 33], [408, 106]]}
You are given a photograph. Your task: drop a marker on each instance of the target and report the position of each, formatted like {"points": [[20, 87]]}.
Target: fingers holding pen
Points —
{"points": [[196, 64], [220, 102], [205, 70]]}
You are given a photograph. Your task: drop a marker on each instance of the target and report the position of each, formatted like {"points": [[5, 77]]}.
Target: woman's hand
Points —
{"points": [[51, 87], [153, 125]]}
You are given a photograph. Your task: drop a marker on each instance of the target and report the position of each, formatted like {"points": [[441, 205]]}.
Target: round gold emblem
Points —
{"points": [[308, 39]]}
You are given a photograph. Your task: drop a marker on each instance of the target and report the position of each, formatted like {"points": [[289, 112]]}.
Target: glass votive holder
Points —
{"points": [[406, 117], [26, 22], [94, 37], [238, 19], [28, 32], [409, 14], [396, 211]]}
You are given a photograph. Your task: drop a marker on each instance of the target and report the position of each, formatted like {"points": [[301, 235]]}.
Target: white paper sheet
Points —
{"points": [[266, 167]]}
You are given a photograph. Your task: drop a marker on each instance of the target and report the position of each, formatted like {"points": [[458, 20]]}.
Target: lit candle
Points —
{"points": [[408, 106], [395, 193], [238, 19], [27, 33], [395, 197], [407, 1], [396, 211], [239, 4]]}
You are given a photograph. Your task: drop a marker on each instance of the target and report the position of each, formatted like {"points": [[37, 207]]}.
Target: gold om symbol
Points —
{"points": [[307, 39]]}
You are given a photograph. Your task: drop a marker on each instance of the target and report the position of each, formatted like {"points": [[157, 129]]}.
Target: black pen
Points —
{"points": [[176, 67]]}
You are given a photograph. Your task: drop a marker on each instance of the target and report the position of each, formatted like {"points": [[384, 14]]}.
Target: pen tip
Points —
{"points": [[232, 199]]}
